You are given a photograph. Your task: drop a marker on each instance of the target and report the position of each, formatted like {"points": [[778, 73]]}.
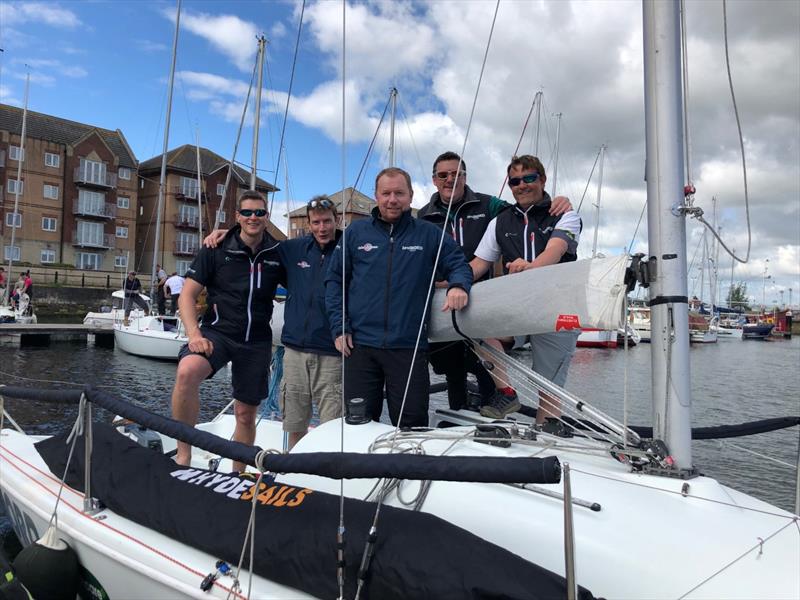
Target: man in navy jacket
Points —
{"points": [[389, 261], [312, 365]]}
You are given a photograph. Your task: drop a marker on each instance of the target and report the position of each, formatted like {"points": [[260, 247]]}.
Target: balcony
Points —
{"points": [[187, 221], [105, 241], [87, 177], [182, 193], [106, 210], [183, 248]]}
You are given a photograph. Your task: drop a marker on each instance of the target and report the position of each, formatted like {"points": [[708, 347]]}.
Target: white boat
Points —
{"points": [[702, 330], [607, 338], [639, 318], [105, 319], [150, 337], [21, 314]]}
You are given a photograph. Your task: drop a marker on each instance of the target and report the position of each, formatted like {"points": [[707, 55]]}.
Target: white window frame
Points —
{"points": [[121, 262], [88, 261], [124, 173], [123, 202], [48, 186], [14, 220], [12, 187], [14, 152], [93, 171], [181, 266], [187, 242], [91, 202], [9, 250], [90, 233], [47, 256], [49, 221], [221, 216], [220, 189], [52, 160], [122, 231], [189, 187]]}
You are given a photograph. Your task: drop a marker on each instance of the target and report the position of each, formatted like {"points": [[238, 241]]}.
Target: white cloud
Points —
{"points": [[235, 38], [17, 13]]}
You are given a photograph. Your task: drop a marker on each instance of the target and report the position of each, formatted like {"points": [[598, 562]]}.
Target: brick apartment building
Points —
{"points": [[358, 207], [77, 193], [183, 213]]}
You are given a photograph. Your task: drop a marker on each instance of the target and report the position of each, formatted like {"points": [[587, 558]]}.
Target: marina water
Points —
{"points": [[732, 382]]}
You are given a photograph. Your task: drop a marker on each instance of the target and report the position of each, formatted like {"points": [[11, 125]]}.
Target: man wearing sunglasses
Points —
{"points": [[466, 221], [240, 276], [312, 365], [528, 236], [388, 264]]}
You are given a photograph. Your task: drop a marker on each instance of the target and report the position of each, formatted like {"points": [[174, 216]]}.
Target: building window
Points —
{"points": [[122, 232], [91, 203], [13, 219], [187, 243], [93, 171], [181, 266], [52, 160], [12, 186], [189, 187], [90, 261], [124, 173], [221, 216], [220, 189], [48, 256], [51, 191], [188, 214], [11, 253], [120, 262], [14, 153], [49, 224], [123, 202], [90, 234]]}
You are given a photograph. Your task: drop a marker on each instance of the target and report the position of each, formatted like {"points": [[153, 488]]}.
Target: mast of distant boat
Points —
{"points": [[17, 185], [262, 49], [163, 179], [671, 392], [597, 205], [199, 187], [393, 100]]}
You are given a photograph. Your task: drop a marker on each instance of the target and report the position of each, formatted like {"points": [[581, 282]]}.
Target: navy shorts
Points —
{"points": [[249, 364]]}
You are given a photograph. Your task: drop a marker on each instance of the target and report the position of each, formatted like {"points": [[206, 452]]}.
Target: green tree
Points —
{"points": [[737, 296]]}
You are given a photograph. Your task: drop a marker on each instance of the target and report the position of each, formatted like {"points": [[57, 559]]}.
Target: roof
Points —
{"points": [[62, 131], [184, 159], [360, 204]]}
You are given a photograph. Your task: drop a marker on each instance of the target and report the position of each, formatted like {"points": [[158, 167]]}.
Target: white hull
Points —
{"points": [[146, 337], [106, 320], [702, 337], [729, 333], [711, 525]]}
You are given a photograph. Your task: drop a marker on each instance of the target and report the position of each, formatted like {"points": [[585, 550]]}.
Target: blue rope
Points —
{"points": [[270, 408]]}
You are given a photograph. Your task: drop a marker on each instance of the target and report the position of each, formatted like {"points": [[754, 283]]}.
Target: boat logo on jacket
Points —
{"points": [[368, 247], [303, 265]]}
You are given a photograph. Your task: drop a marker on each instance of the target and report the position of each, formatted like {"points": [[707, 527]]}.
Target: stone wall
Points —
{"points": [[67, 302]]}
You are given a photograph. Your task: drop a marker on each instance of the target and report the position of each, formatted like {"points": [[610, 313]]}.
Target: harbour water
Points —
{"points": [[732, 382]]}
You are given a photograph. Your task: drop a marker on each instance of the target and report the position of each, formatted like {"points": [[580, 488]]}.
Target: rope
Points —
{"points": [[522, 135], [286, 110], [772, 459], [77, 430]]}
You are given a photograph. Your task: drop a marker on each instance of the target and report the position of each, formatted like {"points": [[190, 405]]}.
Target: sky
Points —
{"points": [[107, 64]]}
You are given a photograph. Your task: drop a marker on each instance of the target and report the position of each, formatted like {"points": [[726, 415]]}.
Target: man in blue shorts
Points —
{"points": [[240, 276]]}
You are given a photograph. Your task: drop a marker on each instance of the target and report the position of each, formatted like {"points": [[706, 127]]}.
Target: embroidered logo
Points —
{"points": [[272, 263], [368, 247], [412, 248], [303, 265], [480, 216], [511, 234]]}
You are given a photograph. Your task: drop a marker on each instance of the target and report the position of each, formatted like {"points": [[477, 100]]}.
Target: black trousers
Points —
{"points": [[367, 371], [173, 303], [130, 301], [454, 360]]}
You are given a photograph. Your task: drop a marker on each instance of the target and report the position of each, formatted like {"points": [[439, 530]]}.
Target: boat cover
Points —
{"points": [[417, 555]]}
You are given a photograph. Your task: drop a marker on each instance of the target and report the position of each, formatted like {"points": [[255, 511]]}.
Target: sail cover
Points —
{"points": [[417, 555], [584, 293]]}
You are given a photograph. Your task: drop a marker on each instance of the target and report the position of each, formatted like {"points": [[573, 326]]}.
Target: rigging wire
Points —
{"points": [[638, 224], [588, 181], [286, 110], [522, 135], [411, 136]]}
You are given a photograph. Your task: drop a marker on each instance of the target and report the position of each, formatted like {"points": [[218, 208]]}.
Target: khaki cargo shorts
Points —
{"points": [[309, 379]]}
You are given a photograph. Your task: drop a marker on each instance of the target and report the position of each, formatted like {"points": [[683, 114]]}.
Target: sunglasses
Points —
{"points": [[515, 181], [320, 204], [249, 212], [443, 175]]}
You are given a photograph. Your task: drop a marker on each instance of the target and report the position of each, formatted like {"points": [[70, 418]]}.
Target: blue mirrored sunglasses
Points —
{"points": [[515, 181]]}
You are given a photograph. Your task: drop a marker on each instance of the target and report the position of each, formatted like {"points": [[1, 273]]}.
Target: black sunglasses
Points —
{"points": [[249, 212], [320, 204], [515, 181]]}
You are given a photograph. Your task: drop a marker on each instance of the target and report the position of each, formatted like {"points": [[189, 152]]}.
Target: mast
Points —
{"points": [[669, 348], [538, 121], [262, 49], [20, 160], [558, 143], [597, 206], [199, 187], [393, 101], [163, 179]]}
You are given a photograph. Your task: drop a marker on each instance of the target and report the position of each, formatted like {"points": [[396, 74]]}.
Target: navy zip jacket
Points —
{"points": [[305, 322], [240, 285], [388, 270]]}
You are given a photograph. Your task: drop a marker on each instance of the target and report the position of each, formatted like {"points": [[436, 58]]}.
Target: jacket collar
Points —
{"points": [[405, 220], [436, 206], [539, 209], [312, 243], [232, 242]]}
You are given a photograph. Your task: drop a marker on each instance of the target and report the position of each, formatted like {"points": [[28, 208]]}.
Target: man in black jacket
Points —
{"points": [[241, 276], [132, 288]]}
